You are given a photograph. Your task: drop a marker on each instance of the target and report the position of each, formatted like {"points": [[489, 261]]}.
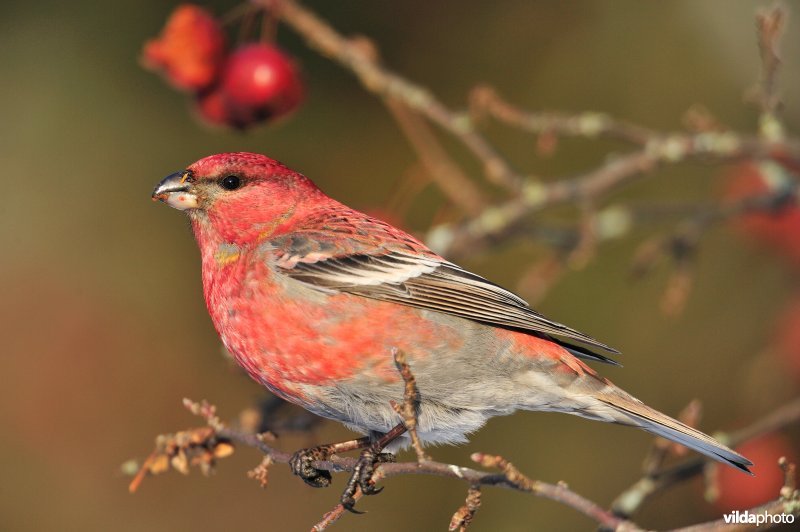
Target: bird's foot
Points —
{"points": [[302, 466], [362, 477]]}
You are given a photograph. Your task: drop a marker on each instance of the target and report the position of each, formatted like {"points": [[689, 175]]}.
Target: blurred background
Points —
{"points": [[103, 320]]}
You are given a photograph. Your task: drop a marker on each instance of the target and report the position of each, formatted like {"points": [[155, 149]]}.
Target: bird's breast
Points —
{"points": [[289, 335]]}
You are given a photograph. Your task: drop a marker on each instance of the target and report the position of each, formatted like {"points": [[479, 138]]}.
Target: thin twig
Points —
{"points": [[409, 410], [338, 511], [466, 513], [448, 176], [510, 477], [770, 23], [541, 277], [375, 78], [205, 410], [789, 477], [495, 221], [630, 500], [559, 493], [585, 246], [499, 220], [780, 508], [662, 447], [485, 100], [260, 473]]}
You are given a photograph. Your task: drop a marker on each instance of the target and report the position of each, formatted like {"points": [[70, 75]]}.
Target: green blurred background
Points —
{"points": [[103, 320]]}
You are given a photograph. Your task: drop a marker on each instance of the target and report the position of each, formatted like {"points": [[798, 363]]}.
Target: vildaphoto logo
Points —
{"points": [[749, 518]]}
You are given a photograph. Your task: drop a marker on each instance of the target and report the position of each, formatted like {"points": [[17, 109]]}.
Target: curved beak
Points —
{"points": [[176, 191]]}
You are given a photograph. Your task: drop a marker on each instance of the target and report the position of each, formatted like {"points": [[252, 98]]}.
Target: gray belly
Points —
{"points": [[459, 391]]}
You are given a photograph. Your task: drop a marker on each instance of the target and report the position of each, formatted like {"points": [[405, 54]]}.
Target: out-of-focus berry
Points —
{"points": [[190, 50], [740, 492], [262, 80], [787, 339], [777, 229], [214, 109]]}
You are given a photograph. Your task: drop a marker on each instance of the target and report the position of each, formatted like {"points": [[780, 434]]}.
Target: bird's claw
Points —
{"points": [[349, 503], [362, 477], [301, 464]]}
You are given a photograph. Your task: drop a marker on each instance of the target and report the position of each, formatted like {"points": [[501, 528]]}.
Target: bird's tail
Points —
{"points": [[628, 410]]}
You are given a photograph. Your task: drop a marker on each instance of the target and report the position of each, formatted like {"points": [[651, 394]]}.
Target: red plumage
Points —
{"points": [[311, 297]]}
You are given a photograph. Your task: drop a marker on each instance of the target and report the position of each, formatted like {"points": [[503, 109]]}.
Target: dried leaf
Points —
{"points": [[223, 449], [159, 464], [180, 463]]}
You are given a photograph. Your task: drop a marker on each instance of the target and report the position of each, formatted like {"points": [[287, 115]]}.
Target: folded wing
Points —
{"points": [[395, 271]]}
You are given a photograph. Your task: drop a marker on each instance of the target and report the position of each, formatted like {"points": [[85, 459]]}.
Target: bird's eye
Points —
{"points": [[231, 182]]}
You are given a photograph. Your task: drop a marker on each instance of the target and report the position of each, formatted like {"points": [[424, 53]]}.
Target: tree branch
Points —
{"points": [[215, 440], [375, 78], [486, 225], [484, 100], [770, 23], [630, 500], [443, 171], [204, 445], [500, 219]]}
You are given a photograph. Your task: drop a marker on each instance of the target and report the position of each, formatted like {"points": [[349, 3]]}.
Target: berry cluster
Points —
{"points": [[254, 83]]}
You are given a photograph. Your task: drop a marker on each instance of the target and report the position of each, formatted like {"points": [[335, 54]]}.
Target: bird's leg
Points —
{"points": [[365, 468], [302, 461]]}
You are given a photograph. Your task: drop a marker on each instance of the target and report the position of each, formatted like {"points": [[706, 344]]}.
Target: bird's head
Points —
{"points": [[237, 197]]}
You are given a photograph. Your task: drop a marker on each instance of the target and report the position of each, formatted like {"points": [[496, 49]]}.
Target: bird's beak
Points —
{"points": [[176, 191]]}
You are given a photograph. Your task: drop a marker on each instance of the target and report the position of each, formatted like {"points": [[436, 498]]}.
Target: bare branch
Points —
{"points": [[629, 501], [500, 219], [375, 78], [466, 513], [559, 492], [510, 478], [485, 101], [777, 508], [448, 176], [208, 439], [260, 473], [200, 447], [488, 223], [770, 23]]}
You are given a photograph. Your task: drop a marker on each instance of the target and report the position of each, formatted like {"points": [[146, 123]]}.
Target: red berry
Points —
{"points": [[262, 79], [214, 109], [211, 107], [190, 49], [787, 339], [777, 229], [738, 491]]}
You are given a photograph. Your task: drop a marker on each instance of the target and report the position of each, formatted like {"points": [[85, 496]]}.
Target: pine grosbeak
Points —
{"points": [[311, 297]]}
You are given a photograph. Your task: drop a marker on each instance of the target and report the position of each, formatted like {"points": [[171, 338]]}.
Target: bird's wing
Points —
{"points": [[395, 267]]}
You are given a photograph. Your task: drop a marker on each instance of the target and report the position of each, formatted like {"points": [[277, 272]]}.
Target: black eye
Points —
{"points": [[231, 182]]}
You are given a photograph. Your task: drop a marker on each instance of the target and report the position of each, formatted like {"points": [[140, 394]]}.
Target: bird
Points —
{"points": [[312, 298]]}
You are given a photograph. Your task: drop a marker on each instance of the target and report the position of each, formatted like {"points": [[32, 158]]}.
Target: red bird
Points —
{"points": [[311, 297]]}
